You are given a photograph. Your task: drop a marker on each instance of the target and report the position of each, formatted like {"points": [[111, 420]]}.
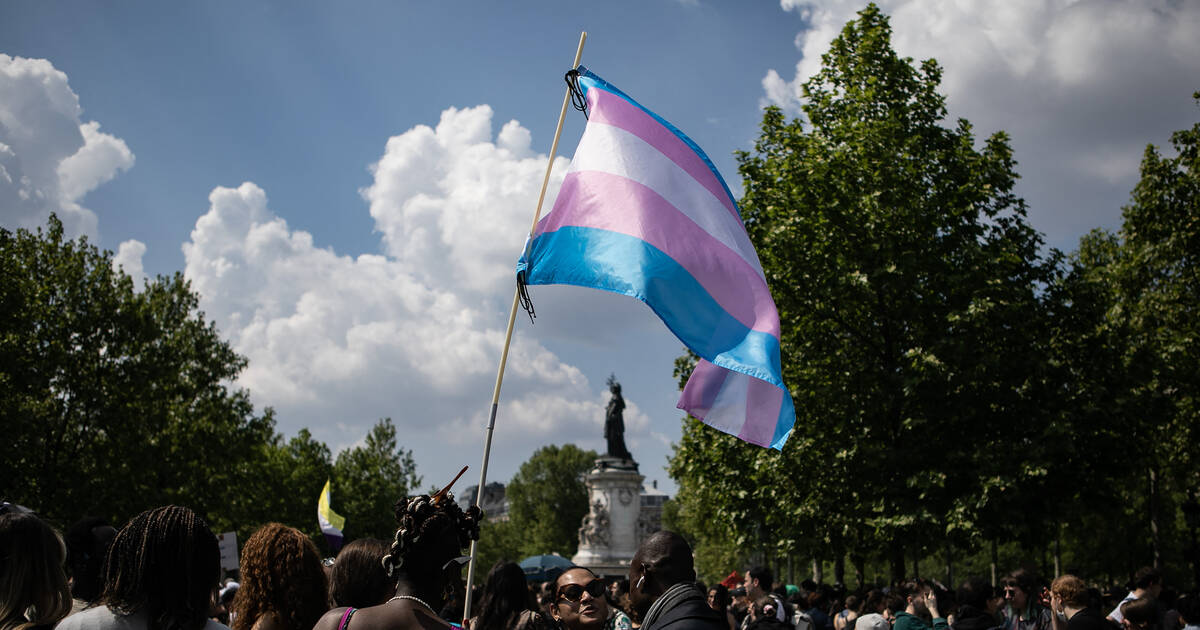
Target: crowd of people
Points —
{"points": [[161, 571]]}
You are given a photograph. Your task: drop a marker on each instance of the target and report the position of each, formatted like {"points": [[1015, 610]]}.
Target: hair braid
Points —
{"points": [[421, 519], [166, 562]]}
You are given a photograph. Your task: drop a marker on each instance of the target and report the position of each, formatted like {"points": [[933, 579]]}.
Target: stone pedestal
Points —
{"points": [[609, 534]]}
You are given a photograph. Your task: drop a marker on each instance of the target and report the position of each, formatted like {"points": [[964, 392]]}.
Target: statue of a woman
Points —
{"points": [[614, 422]]}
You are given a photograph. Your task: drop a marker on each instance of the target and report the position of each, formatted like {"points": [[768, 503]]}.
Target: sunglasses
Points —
{"points": [[573, 592]]}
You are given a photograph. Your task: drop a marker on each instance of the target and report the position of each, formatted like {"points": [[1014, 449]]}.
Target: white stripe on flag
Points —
{"points": [[613, 150]]}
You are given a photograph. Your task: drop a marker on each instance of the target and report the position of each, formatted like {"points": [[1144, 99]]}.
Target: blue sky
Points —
{"points": [[347, 185]]}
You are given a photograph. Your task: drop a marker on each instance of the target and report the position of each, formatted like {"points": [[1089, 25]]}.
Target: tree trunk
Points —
{"points": [[916, 572], [816, 566], [860, 570], [1154, 538], [839, 569], [995, 562], [897, 561], [1057, 551], [949, 551], [791, 570]]}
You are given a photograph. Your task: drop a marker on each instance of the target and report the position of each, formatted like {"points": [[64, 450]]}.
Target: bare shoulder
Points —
{"points": [[330, 620]]}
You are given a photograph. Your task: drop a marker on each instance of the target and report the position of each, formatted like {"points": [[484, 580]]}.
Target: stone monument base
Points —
{"points": [[609, 535]]}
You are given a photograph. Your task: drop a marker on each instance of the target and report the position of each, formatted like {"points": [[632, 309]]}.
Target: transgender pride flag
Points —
{"points": [[643, 212]]}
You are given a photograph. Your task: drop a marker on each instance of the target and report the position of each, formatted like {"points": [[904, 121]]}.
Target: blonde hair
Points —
{"points": [[33, 585]]}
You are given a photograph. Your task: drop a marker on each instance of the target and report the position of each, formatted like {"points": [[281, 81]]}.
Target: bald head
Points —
{"points": [[669, 558]]}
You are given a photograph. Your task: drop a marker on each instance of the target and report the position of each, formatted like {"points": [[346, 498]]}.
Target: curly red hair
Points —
{"points": [[282, 576]]}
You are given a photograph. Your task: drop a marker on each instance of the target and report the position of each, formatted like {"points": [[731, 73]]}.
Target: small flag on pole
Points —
{"points": [[643, 212], [331, 522]]}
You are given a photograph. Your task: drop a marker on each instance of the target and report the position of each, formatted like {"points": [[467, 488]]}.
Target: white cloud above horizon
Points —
{"points": [[1080, 85], [335, 342], [49, 158]]}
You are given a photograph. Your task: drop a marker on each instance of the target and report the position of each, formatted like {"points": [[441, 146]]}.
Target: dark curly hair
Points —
{"points": [[282, 576], [166, 562], [421, 520]]}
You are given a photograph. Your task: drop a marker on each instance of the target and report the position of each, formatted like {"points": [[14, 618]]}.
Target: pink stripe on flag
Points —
{"points": [[763, 401], [587, 198], [610, 109], [729, 401]]}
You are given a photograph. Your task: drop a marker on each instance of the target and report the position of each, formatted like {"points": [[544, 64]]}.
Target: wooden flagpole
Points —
{"points": [[512, 315]]}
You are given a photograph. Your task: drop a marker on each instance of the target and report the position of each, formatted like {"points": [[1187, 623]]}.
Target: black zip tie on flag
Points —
{"points": [[523, 295], [577, 99]]}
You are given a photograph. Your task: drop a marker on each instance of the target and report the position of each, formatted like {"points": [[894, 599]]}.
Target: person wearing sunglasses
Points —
{"points": [[579, 603], [424, 560]]}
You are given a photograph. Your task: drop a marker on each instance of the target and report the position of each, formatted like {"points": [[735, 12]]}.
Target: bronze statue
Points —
{"points": [[614, 422]]}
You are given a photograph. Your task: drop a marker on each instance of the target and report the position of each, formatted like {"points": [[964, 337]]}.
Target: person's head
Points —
{"points": [[738, 599], [165, 562], [358, 577], [718, 597], [1189, 609], [872, 621], [765, 609], [225, 601], [31, 572], [282, 575], [817, 599], [663, 560], [617, 589], [1071, 590], [579, 602], [87, 544], [1019, 588], [875, 602], [975, 592], [758, 582], [427, 549], [894, 602], [1140, 614], [1149, 581], [914, 592], [505, 595]]}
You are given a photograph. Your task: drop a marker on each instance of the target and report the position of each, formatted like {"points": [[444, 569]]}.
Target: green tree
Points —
{"points": [[906, 277], [547, 499], [1158, 301], [498, 541], [282, 485], [369, 479], [111, 400]]}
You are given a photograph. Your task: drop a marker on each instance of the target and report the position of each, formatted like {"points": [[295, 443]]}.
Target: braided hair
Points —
{"points": [[164, 562], [421, 520]]}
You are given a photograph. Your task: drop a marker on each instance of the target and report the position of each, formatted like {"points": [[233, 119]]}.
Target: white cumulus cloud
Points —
{"points": [[335, 342], [129, 259], [49, 158], [1081, 85]]}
